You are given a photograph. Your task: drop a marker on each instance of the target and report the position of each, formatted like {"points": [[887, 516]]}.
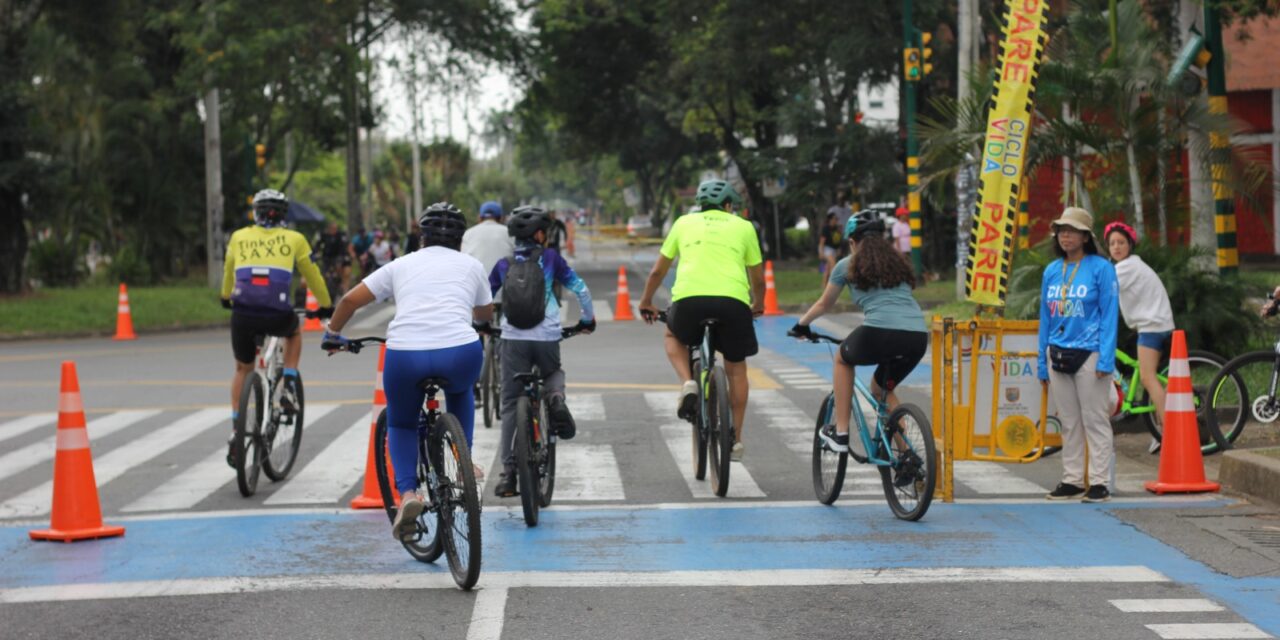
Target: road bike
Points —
{"points": [[1135, 401], [1247, 389], [450, 524], [534, 444], [712, 435], [265, 436], [901, 445]]}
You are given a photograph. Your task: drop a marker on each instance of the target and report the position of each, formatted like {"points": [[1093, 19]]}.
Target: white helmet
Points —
{"points": [[270, 208]]}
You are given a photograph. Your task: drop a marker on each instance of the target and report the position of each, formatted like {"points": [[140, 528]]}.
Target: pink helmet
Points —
{"points": [[1127, 230]]}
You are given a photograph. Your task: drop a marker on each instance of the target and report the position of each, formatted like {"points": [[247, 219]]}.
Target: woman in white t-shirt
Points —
{"points": [[1144, 303], [439, 292]]}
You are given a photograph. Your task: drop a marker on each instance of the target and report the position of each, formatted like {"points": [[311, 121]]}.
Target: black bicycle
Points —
{"points": [[713, 420], [534, 444], [450, 524], [490, 384]]}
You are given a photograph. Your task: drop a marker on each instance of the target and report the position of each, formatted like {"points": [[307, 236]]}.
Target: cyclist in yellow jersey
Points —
{"points": [[718, 251], [257, 286]]}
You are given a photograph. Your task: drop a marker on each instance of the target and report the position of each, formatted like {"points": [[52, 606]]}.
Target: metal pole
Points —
{"points": [[213, 181], [1224, 221], [913, 161]]}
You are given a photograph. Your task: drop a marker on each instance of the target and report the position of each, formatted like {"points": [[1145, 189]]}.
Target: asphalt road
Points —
{"points": [[632, 547]]}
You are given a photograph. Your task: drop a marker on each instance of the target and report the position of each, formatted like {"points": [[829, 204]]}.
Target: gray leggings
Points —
{"points": [[1084, 403], [521, 356]]}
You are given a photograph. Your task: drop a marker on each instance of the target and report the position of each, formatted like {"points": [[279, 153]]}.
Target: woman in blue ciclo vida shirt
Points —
{"points": [[1079, 308]]}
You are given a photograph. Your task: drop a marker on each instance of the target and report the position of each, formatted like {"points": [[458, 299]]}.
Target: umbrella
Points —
{"points": [[299, 212]]}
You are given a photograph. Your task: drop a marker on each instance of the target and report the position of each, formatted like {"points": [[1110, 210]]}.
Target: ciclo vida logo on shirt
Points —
{"points": [[1072, 306]]}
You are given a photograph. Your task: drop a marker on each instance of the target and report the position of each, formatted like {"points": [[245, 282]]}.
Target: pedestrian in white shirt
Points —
{"points": [[488, 241], [1144, 303]]}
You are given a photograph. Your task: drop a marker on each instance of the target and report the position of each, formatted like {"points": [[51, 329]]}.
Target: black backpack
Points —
{"points": [[524, 293]]}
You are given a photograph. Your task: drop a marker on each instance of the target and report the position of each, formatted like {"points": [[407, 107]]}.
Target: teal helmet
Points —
{"points": [[715, 192], [862, 223]]}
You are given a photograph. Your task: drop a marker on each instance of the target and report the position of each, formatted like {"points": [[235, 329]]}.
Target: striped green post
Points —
{"points": [[1224, 219]]}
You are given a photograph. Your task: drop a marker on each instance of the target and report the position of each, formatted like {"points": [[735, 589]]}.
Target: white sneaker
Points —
{"points": [[406, 522], [735, 454], [688, 406]]}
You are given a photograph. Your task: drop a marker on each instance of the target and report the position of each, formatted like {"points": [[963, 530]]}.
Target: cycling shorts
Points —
{"points": [[245, 329], [894, 352], [734, 336]]}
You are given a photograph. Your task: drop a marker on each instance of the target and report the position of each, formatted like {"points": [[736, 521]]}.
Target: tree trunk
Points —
{"points": [[1161, 167], [1203, 234], [354, 218], [1135, 189]]}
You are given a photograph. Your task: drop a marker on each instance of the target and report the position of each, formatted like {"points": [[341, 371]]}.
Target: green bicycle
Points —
{"points": [[1204, 366]]}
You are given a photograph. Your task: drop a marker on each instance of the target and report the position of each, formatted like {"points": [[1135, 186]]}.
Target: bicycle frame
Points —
{"points": [[706, 356], [1133, 384], [864, 431]]}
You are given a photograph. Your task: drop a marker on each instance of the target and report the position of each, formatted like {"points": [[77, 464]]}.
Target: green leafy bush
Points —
{"points": [[129, 267], [56, 264]]}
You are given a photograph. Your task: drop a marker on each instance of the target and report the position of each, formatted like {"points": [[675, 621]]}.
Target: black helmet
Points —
{"points": [[270, 208], [862, 223], [715, 192], [442, 224], [525, 221]]}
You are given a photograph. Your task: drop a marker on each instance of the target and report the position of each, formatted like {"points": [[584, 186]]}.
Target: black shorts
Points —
{"points": [[894, 352], [246, 328], [734, 336]]}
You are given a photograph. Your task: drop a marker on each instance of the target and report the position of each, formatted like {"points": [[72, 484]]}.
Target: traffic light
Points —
{"points": [[926, 53], [911, 64], [260, 150], [1187, 73]]}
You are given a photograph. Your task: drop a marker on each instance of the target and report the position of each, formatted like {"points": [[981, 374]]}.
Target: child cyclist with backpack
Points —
{"points": [[531, 327]]}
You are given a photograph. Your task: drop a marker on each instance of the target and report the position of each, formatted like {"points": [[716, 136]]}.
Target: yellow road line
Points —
{"points": [[758, 379], [124, 351]]}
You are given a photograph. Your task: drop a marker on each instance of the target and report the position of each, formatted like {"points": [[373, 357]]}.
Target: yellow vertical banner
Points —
{"points": [[1004, 151]]}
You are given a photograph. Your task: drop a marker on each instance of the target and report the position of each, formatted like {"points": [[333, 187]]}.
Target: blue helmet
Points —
{"points": [[491, 209], [862, 223]]}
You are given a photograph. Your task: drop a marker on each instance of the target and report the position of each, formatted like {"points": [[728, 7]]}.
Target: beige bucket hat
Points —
{"points": [[1077, 218]]}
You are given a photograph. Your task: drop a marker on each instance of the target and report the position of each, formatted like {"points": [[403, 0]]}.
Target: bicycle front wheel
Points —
{"points": [[459, 501], [282, 438], [719, 431], [545, 454], [1244, 392], [828, 466], [910, 479], [424, 545], [246, 444], [526, 461]]}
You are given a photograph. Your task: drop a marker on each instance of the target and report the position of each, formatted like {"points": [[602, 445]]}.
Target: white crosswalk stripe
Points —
{"points": [[587, 472], [679, 443], [120, 460], [586, 406], [484, 450], [328, 477], [994, 477], [20, 460], [205, 477], [15, 428], [795, 429]]}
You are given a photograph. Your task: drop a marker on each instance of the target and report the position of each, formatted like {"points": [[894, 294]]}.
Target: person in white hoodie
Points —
{"points": [[1144, 303]]}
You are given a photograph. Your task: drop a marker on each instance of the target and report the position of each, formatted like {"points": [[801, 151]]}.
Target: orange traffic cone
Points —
{"points": [[313, 322], [1181, 464], [76, 514], [622, 306], [370, 497], [124, 319], [770, 293]]}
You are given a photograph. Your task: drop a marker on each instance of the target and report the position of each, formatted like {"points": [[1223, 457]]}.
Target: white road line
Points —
{"points": [[1167, 605], [20, 460], [484, 450], [15, 428], [122, 459], [204, 478], [826, 386], [592, 580], [586, 406], [603, 312], [786, 370], [375, 319], [588, 472], [487, 614], [331, 473], [993, 478], [1207, 630]]}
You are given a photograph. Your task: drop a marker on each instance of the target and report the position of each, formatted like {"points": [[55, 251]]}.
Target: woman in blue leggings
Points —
{"points": [[438, 292]]}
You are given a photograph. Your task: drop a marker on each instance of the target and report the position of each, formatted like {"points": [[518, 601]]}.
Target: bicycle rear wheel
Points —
{"points": [[828, 466], [720, 430], [699, 441], [458, 500], [425, 545], [487, 395], [282, 437], [246, 444], [909, 482], [1241, 394], [1229, 413], [526, 461], [545, 454]]}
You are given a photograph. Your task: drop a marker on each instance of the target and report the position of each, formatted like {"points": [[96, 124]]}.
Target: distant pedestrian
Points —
{"points": [[829, 241], [902, 231]]}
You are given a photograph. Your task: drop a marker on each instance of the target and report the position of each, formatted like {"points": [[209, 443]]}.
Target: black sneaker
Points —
{"points": [[837, 442], [1097, 493], [909, 470], [231, 450], [561, 420], [289, 395], [506, 485], [1066, 491]]}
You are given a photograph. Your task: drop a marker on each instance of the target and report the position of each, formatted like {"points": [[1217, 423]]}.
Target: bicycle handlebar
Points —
{"points": [[820, 337], [660, 316], [490, 330], [356, 344]]}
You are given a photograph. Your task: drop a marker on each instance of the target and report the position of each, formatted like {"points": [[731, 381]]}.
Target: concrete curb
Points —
{"points": [[1250, 473]]}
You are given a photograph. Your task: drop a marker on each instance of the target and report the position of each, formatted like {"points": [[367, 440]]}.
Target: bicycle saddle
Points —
{"points": [[526, 378], [433, 381]]}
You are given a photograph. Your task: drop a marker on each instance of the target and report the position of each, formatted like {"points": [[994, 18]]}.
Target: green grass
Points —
{"points": [[92, 309]]}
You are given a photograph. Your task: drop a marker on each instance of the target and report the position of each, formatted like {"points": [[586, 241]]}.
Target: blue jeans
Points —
{"points": [[401, 374], [1156, 341]]}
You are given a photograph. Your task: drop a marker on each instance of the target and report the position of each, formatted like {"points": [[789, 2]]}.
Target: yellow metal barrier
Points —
{"points": [[987, 402]]}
